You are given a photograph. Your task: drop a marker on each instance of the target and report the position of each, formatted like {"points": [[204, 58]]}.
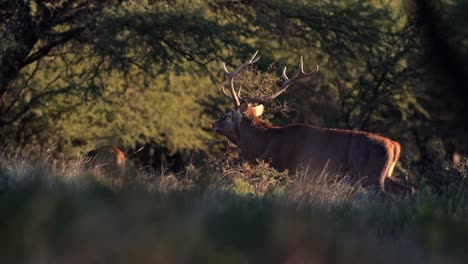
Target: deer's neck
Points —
{"points": [[253, 139]]}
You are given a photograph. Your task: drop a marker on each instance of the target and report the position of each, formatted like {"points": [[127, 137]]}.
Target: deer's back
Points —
{"points": [[338, 150]]}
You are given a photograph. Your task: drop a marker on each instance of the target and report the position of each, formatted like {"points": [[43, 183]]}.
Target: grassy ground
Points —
{"points": [[58, 212]]}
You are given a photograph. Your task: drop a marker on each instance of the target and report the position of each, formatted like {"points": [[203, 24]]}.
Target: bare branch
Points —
{"points": [[22, 90], [64, 37]]}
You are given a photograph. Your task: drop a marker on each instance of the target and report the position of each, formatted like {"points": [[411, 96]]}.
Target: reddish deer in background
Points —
{"points": [[365, 156], [109, 158]]}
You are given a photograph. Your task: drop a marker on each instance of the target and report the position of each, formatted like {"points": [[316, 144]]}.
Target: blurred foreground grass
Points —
{"points": [[57, 212]]}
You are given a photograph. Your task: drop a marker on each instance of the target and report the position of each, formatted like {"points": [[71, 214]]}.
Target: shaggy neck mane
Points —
{"points": [[256, 122], [252, 140]]}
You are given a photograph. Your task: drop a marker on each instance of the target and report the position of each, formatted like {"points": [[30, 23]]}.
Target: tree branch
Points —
{"points": [[20, 93], [65, 37], [35, 100]]}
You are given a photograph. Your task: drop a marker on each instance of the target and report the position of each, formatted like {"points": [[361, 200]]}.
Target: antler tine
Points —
{"points": [[225, 93], [225, 69], [231, 76], [301, 74], [284, 74], [237, 70], [301, 65]]}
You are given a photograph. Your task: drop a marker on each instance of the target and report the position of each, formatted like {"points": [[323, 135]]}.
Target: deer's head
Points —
{"points": [[230, 123], [246, 107]]}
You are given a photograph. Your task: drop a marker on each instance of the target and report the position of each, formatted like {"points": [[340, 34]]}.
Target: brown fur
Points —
{"points": [[111, 159], [367, 157], [119, 157]]}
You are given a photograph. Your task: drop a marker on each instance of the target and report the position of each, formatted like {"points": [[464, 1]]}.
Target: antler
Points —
{"points": [[286, 84], [229, 96], [231, 76]]}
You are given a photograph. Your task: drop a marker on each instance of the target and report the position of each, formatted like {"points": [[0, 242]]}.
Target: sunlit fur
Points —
{"points": [[110, 158], [364, 156]]}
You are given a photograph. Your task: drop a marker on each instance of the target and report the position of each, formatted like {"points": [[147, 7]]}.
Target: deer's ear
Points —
{"points": [[243, 106], [259, 110]]}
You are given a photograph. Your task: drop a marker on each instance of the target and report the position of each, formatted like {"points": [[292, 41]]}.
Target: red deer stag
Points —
{"points": [[366, 157], [109, 158]]}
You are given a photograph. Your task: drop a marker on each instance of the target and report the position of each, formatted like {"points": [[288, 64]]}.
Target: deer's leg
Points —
{"points": [[392, 186]]}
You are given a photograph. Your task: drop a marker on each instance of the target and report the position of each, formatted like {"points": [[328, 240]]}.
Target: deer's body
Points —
{"points": [[359, 154], [111, 159], [368, 158]]}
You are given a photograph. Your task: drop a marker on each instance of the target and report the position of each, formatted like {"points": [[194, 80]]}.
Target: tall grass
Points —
{"points": [[61, 212]]}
